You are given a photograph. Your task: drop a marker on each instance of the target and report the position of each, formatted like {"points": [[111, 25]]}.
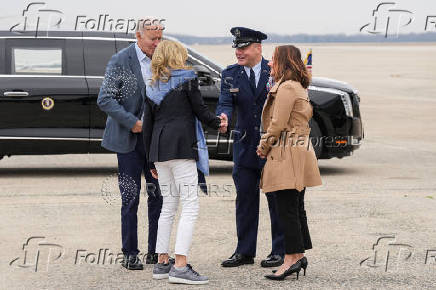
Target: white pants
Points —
{"points": [[178, 180]]}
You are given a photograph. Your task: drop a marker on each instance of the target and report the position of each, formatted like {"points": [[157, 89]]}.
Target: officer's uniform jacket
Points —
{"points": [[236, 93]]}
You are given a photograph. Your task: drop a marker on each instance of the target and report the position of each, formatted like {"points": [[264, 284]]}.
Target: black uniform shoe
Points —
{"points": [[151, 258], [272, 261], [132, 263], [237, 260]]}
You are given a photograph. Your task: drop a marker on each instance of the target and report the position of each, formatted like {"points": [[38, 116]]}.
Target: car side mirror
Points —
{"points": [[204, 75]]}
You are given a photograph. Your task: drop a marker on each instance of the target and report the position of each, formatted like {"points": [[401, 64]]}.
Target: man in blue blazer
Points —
{"points": [[122, 97], [243, 88]]}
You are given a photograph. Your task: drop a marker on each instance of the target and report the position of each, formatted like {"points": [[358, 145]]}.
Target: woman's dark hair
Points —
{"points": [[288, 65]]}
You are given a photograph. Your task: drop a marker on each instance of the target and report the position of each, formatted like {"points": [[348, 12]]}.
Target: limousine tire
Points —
{"points": [[316, 138]]}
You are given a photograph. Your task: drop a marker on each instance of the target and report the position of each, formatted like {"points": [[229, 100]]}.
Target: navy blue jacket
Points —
{"points": [[236, 94], [121, 97], [169, 128]]}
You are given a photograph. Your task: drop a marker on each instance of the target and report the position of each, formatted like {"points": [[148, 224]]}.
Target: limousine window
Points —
{"points": [[97, 55], [37, 61]]}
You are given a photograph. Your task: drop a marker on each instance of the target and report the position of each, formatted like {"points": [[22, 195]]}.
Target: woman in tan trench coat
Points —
{"points": [[291, 164]]}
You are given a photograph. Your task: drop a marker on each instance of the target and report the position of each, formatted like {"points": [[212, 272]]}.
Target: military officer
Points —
{"points": [[243, 89]]}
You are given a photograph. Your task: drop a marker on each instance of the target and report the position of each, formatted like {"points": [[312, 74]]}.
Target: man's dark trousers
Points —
{"points": [[247, 213], [130, 167]]}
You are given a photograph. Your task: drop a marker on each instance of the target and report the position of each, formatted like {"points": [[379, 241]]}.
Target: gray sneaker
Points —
{"points": [[161, 270], [186, 275]]}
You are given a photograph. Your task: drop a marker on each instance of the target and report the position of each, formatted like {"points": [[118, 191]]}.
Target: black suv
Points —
{"points": [[49, 86]]}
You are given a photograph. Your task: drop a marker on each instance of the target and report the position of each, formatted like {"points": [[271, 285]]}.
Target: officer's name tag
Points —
{"points": [[234, 90]]}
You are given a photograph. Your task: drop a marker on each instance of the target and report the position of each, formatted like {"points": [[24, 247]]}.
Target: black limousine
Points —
{"points": [[49, 85]]}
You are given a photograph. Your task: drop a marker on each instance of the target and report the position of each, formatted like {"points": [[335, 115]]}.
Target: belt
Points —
{"points": [[299, 130]]}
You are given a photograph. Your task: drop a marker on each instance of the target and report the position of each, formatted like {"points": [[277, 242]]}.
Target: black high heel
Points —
{"points": [[304, 264], [294, 268]]}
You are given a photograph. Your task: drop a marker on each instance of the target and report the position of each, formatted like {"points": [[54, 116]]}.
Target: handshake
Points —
{"points": [[137, 128], [224, 123]]}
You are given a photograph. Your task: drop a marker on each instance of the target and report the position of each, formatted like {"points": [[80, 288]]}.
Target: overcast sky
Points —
{"points": [[215, 18]]}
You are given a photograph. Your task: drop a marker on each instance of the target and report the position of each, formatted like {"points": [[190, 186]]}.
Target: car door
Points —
{"points": [[44, 106], [97, 53]]}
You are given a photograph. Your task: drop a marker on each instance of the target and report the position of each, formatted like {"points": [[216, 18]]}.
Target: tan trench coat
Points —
{"points": [[291, 161]]}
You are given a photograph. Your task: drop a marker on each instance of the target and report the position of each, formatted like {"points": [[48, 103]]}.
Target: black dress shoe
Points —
{"points": [[272, 261], [237, 260], [132, 262], [151, 258], [154, 258], [294, 268]]}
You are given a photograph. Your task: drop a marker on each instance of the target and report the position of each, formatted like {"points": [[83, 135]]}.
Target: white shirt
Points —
{"points": [[257, 68], [145, 63]]}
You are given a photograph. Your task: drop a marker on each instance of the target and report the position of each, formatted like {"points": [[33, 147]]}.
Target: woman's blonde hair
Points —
{"points": [[168, 55]]}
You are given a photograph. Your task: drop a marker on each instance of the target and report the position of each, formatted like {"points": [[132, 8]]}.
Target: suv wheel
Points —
{"points": [[316, 138]]}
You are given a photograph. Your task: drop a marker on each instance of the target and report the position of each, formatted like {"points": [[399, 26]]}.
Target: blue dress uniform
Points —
{"points": [[237, 94]]}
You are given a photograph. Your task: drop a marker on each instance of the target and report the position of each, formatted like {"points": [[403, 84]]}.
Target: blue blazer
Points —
{"points": [[236, 94], [122, 97]]}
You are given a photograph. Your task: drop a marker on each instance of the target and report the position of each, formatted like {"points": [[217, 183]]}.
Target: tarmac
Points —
{"points": [[372, 222]]}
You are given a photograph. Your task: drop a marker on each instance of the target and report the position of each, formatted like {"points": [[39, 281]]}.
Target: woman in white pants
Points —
{"points": [[178, 181], [171, 128]]}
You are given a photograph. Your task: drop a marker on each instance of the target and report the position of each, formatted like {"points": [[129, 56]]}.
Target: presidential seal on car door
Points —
{"points": [[47, 103]]}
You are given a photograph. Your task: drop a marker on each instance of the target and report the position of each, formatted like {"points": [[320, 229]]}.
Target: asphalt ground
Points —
{"points": [[372, 222]]}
